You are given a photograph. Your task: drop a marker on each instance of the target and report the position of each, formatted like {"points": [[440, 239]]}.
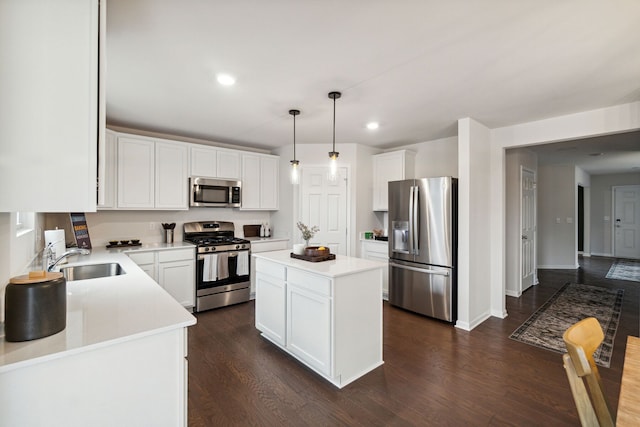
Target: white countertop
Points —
{"points": [[103, 311], [341, 266]]}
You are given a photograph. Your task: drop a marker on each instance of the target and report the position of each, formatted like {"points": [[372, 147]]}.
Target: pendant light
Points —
{"points": [[295, 175], [333, 155]]}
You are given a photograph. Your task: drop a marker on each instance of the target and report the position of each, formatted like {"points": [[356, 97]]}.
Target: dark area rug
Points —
{"points": [[572, 303], [625, 270]]}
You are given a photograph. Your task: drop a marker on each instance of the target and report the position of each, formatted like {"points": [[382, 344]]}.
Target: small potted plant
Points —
{"points": [[307, 233]]}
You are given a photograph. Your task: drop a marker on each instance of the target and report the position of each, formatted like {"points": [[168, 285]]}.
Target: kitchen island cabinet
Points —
{"points": [[328, 315], [121, 360]]}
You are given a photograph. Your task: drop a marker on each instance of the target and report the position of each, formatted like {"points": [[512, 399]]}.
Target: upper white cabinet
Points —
{"points": [[49, 105], [259, 182], [107, 171], [151, 175], [260, 173], [392, 166], [215, 162], [171, 185]]}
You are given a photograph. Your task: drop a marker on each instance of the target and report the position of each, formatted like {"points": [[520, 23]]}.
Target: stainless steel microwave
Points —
{"points": [[215, 193]]}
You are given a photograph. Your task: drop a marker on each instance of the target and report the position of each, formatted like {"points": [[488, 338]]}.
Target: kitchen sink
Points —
{"points": [[92, 271]]}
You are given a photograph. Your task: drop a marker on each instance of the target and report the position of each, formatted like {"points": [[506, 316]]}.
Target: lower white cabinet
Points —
{"points": [[332, 324], [173, 269], [378, 250], [266, 245]]}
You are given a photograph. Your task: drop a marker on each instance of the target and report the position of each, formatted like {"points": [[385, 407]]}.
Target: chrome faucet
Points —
{"points": [[48, 261]]}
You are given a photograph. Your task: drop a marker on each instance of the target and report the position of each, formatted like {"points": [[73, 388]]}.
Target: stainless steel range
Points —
{"points": [[222, 264]]}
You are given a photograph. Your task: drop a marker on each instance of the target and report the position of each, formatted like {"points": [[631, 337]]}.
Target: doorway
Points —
{"points": [[324, 203], [527, 229], [626, 224]]}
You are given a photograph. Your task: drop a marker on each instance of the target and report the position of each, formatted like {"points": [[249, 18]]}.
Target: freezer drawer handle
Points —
{"points": [[419, 270]]}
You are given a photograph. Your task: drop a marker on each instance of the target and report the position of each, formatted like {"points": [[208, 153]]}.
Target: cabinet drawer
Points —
{"points": [[379, 248], [266, 246], [143, 257], [270, 268], [176, 255], [318, 284]]}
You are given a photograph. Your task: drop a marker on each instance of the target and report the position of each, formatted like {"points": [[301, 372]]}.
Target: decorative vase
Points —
{"points": [[306, 243]]}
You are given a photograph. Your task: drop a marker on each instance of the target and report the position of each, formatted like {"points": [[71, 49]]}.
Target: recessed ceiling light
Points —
{"points": [[373, 125], [596, 154], [226, 79]]}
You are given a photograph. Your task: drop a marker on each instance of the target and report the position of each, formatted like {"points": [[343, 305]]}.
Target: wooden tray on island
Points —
{"points": [[310, 258]]}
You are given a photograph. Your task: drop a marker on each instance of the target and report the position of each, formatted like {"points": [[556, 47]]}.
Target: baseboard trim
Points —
{"points": [[511, 293], [558, 267]]}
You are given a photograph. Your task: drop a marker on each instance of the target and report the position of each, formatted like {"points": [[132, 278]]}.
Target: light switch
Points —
{"points": [[606, 218], [569, 220], [558, 220]]}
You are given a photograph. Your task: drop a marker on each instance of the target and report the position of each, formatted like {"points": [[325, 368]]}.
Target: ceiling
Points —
{"points": [[415, 67]]}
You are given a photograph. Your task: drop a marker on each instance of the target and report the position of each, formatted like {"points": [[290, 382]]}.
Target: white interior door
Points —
{"points": [[324, 203], [626, 221], [527, 228]]}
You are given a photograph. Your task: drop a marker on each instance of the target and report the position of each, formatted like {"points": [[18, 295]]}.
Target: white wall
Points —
{"points": [[474, 219], [602, 209], [515, 160], [557, 196], [438, 157]]}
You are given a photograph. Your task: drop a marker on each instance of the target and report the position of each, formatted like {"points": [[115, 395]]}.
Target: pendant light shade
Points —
{"points": [[295, 173], [333, 154]]}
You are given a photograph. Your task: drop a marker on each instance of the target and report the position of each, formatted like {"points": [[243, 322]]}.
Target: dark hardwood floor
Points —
{"points": [[434, 374]]}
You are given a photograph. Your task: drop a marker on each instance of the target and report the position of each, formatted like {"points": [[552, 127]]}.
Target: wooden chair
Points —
{"points": [[582, 340]]}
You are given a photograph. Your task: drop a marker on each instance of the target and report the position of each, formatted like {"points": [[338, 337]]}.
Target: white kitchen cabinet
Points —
{"points": [[271, 312], [49, 106], [229, 164], [213, 162], [173, 269], [171, 176], [378, 250], [392, 166], [152, 174], [308, 297], [260, 182], [264, 245], [136, 173], [328, 315], [176, 274], [107, 176]]}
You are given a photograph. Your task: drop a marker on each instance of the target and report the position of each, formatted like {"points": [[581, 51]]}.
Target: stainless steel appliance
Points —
{"points": [[214, 193], [222, 264], [423, 246]]}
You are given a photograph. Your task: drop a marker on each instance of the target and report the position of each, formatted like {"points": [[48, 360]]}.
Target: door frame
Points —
{"points": [[350, 220]]}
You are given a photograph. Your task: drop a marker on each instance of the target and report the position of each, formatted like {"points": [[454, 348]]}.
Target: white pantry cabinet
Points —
{"points": [[392, 166], [214, 162], [260, 182], [49, 104], [152, 174], [173, 269], [328, 315]]}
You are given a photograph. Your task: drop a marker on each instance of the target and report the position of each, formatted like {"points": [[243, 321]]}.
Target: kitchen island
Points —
{"points": [[328, 314], [119, 361]]}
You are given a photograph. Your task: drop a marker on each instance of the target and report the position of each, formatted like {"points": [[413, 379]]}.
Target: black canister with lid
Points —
{"points": [[35, 306]]}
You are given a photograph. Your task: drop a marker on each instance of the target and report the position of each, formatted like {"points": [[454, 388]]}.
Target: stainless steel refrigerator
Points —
{"points": [[423, 246]]}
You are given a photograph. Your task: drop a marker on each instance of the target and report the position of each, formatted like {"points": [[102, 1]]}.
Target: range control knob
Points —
{"points": [[237, 246]]}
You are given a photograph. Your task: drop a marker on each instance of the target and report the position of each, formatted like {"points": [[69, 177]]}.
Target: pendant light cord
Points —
{"points": [[294, 137], [334, 123]]}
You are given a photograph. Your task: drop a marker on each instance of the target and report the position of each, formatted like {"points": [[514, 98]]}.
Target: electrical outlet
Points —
{"points": [[152, 226]]}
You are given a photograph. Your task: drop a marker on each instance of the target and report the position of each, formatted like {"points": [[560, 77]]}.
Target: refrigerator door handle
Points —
{"points": [[419, 270], [415, 226], [411, 220]]}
